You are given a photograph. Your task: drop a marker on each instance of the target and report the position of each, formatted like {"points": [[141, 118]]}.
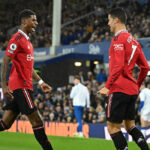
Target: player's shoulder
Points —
{"points": [[124, 36], [16, 37], [85, 87], [81, 85], [120, 37]]}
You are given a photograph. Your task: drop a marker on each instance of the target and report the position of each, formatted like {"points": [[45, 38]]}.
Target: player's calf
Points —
{"points": [[119, 141], [138, 138], [3, 126], [42, 138]]}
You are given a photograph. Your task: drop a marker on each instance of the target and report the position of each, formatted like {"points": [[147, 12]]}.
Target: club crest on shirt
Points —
{"points": [[118, 47], [28, 47]]}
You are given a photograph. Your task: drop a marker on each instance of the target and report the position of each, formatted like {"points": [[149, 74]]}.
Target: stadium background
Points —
{"points": [[80, 48]]}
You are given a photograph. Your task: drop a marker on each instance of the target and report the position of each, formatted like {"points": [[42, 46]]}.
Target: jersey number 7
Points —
{"points": [[133, 51]]}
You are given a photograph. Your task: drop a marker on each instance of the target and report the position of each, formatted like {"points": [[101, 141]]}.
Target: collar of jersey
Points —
{"points": [[120, 32], [25, 35]]}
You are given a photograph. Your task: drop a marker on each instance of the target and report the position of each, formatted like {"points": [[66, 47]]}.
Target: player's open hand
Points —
{"points": [[7, 93], [46, 88], [104, 91]]}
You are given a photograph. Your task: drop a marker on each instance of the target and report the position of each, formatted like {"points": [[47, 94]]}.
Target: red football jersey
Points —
{"points": [[124, 53], [21, 51]]}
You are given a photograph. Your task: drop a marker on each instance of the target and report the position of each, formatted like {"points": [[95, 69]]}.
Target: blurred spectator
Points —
{"points": [[54, 107], [101, 76], [101, 113], [144, 107], [51, 117], [82, 21], [81, 76], [81, 98]]}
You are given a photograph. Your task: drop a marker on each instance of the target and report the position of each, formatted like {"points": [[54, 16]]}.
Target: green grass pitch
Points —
{"points": [[19, 141]]}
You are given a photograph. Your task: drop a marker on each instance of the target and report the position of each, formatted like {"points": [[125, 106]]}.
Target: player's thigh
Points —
{"points": [[9, 117], [113, 127], [128, 124], [130, 111], [116, 107], [25, 101], [35, 119]]}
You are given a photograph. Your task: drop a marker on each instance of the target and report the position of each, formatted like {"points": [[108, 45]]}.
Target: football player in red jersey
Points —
{"points": [[121, 88], [19, 91]]}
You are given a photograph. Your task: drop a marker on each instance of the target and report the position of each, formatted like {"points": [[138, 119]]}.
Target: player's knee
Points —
{"points": [[36, 122], [126, 128], [113, 128], [35, 119], [128, 125], [7, 127]]}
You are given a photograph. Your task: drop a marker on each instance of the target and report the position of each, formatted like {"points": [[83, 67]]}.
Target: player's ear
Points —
{"points": [[24, 22], [117, 20]]}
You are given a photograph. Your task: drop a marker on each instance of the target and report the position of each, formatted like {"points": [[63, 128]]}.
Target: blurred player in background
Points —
{"points": [[81, 98], [144, 107], [121, 88], [19, 91]]}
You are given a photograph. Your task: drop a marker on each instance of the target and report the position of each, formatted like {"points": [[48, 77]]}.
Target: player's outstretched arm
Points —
{"points": [[5, 65], [44, 86]]}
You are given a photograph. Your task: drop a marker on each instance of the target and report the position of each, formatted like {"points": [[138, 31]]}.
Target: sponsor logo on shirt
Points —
{"points": [[29, 57], [10, 51], [118, 47]]}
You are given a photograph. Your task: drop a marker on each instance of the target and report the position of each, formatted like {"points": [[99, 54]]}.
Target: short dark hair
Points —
{"points": [[26, 13], [119, 13], [77, 77]]}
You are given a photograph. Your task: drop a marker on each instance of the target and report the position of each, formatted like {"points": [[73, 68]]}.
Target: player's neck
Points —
{"points": [[24, 30], [120, 28]]}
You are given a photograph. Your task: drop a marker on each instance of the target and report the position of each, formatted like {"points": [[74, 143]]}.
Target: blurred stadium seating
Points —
{"points": [[82, 22]]}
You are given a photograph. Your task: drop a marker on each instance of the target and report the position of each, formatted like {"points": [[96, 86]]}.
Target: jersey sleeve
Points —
{"points": [[119, 52], [144, 67], [87, 98], [12, 48], [73, 92]]}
